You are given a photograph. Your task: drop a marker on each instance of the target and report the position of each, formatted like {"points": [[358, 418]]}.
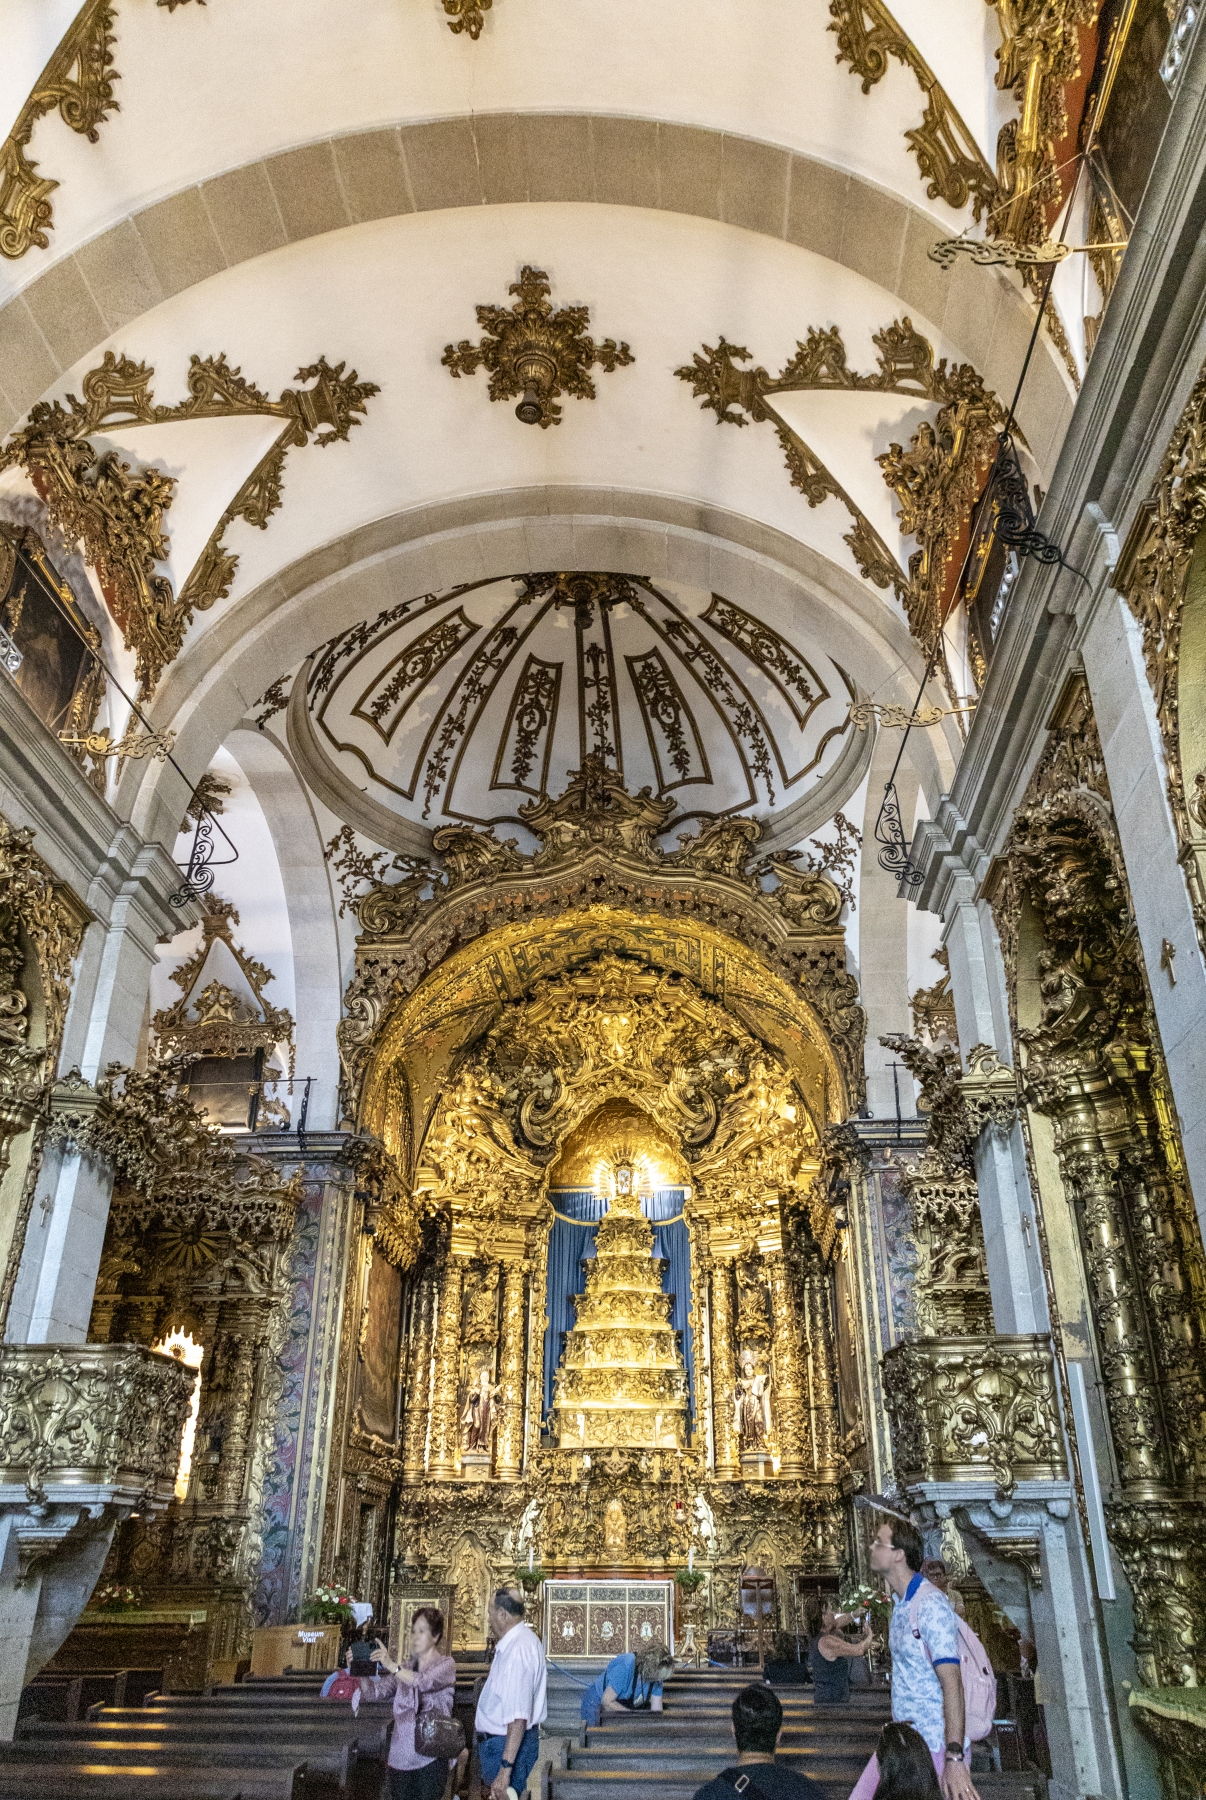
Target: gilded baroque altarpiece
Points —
{"points": [[659, 1040]]}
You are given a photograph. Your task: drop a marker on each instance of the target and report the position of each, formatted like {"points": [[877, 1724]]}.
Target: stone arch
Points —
{"points": [[170, 246]]}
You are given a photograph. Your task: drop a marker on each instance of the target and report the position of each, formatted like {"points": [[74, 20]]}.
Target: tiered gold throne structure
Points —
{"points": [[622, 1381]]}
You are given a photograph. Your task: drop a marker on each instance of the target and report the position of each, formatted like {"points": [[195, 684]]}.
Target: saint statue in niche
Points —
{"points": [[751, 1408], [615, 1527], [478, 1418]]}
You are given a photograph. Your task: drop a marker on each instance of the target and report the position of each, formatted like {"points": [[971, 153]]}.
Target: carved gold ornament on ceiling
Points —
{"points": [[534, 353], [1038, 58], [935, 480], [116, 513], [464, 705], [78, 80], [467, 15]]}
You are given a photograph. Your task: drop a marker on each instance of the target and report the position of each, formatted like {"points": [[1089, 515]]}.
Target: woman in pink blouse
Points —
{"points": [[426, 1685]]}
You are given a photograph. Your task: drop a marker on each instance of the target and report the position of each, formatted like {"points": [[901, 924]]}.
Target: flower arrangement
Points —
{"points": [[114, 1598], [861, 1598], [529, 1579], [327, 1606], [689, 1579]]}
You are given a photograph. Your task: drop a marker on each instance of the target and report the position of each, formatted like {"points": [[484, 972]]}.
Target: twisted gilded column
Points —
{"points": [[446, 1379], [418, 1386], [1092, 1127], [788, 1397], [822, 1385], [724, 1372], [509, 1449]]}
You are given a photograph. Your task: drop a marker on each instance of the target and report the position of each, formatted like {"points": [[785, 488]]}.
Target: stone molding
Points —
{"points": [[498, 159]]}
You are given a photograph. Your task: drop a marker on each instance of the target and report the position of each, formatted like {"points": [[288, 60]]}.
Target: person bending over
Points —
{"points": [[757, 1727], [629, 1684]]}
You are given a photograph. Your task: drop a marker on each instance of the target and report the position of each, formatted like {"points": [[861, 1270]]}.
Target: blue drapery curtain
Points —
{"points": [[572, 1240]]}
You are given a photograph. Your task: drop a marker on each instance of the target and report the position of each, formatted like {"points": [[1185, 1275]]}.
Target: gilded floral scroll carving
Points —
{"points": [[948, 158], [117, 513], [935, 479], [1153, 576]]}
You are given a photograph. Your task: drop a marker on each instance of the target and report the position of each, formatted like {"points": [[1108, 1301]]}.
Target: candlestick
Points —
{"points": [[691, 1560]]}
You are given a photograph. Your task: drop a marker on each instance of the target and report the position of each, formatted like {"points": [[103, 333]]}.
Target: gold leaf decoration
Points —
{"points": [[935, 480], [78, 80], [117, 514], [534, 351], [948, 157]]}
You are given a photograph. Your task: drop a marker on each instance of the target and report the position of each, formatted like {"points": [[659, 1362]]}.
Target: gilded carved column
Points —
{"points": [[418, 1385], [821, 1380], [446, 1382], [788, 1396], [724, 1372], [508, 1463]]}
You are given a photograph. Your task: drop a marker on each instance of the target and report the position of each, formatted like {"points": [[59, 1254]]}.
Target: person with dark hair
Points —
{"points": [[513, 1704], [757, 1727], [830, 1657], [906, 1768], [425, 1683], [927, 1676]]}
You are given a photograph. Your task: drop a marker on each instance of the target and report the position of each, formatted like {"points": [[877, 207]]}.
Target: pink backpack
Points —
{"points": [[979, 1682]]}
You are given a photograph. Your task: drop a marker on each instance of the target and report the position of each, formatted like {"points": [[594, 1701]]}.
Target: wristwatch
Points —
{"points": [[954, 1752], [511, 1765]]}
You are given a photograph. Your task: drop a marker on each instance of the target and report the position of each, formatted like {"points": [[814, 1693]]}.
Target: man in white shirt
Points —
{"points": [[513, 1704]]}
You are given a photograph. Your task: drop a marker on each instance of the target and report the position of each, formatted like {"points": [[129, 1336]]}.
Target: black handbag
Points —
{"points": [[437, 1737]]}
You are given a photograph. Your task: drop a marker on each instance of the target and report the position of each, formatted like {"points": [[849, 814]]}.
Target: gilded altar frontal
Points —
{"points": [[602, 890]]}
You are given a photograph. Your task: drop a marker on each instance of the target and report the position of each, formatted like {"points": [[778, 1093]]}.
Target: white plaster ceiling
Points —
{"points": [[208, 88], [388, 296], [466, 706]]}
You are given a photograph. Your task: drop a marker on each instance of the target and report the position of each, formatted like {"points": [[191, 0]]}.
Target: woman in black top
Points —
{"points": [[830, 1659]]}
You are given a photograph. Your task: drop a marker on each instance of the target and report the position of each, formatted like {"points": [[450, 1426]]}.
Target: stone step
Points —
{"points": [[367, 1728], [331, 1763], [149, 1781], [302, 1735], [794, 1732], [661, 1759]]}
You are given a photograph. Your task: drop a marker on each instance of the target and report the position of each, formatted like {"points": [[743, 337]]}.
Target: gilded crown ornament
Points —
{"points": [[534, 353]]}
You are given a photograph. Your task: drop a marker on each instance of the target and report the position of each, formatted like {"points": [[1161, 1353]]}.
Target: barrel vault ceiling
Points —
{"points": [[265, 276]]}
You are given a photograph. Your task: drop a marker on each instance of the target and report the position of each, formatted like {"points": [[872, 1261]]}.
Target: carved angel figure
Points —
{"points": [[751, 1405], [477, 1420]]}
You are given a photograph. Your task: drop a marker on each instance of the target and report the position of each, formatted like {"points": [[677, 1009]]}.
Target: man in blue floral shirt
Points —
{"points": [[927, 1681]]}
